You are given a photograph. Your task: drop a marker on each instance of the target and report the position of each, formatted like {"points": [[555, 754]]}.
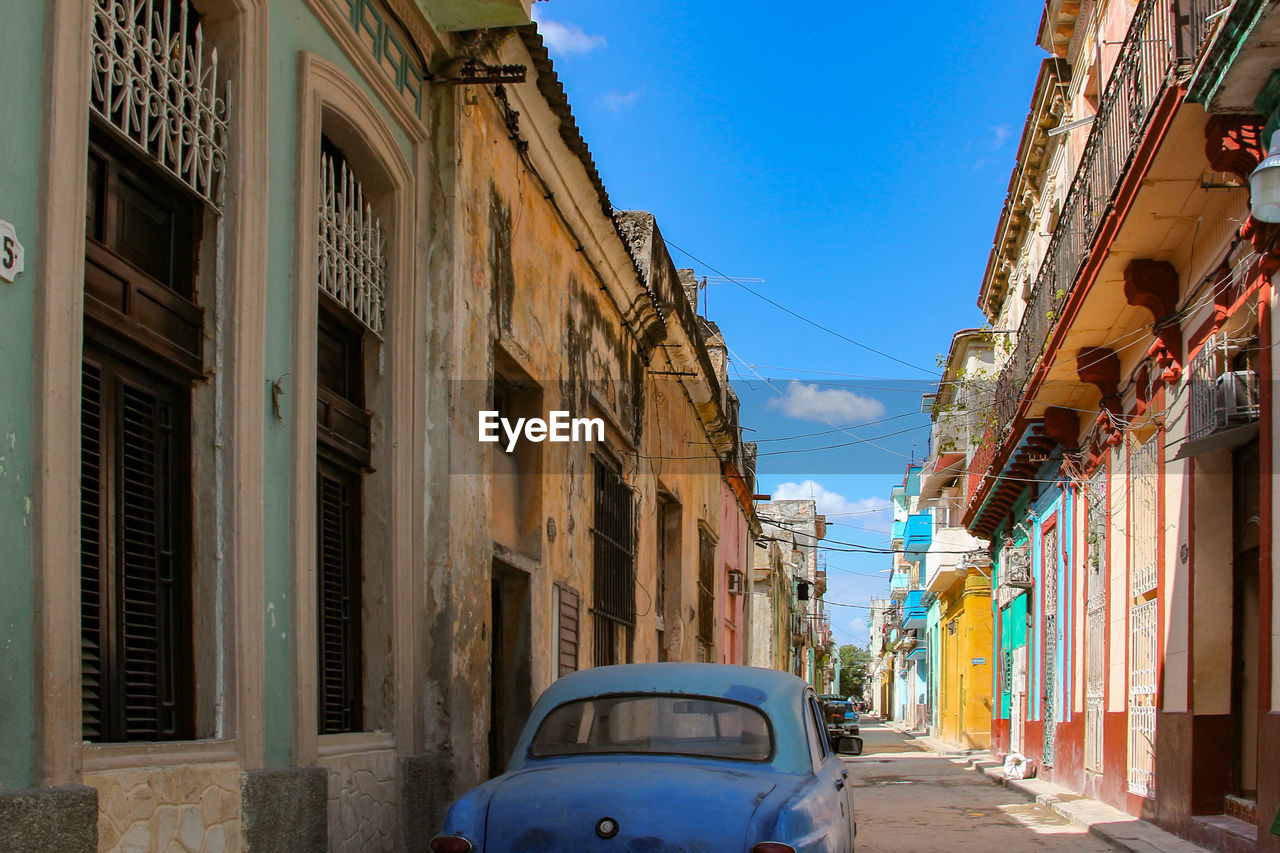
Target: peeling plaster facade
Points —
{"points": [[511, 283]]}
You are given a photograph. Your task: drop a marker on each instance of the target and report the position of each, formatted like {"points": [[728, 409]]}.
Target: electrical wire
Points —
{"points": [[798, 316]]}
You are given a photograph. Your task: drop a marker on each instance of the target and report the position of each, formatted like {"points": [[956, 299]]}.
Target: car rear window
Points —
{"points": [[659, 724]]}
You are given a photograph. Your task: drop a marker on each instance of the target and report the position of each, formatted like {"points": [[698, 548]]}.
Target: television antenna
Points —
{"points": [[722, 279]]}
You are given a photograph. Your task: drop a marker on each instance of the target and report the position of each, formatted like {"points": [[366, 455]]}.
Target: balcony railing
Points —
{"points": [[919, 534], [1220, 398], [1152, 52]]}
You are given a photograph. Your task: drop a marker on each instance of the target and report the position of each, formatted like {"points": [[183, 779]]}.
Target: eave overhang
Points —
{"points": [[1034, 151], [1017, 467]]}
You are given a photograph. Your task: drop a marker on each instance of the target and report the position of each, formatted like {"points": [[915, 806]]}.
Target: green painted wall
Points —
{"points": [[293, 30], [21, 62]]}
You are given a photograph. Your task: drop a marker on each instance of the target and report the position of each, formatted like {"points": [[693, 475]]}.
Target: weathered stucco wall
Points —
{"points": [[535, 307], [20, 109]]}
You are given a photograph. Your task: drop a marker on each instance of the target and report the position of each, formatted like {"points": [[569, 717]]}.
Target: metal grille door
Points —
{"points": [[1143, 532], [1018, 709], [1142, 698], [1049, 579], [1095, 621], [1143, 497]]}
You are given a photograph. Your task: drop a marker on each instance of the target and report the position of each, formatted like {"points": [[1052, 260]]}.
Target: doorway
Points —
{"points": [[510, 666], [1246, 530]]}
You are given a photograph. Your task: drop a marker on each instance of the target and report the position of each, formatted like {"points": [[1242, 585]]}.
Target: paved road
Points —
{"points": [[910, 799]]}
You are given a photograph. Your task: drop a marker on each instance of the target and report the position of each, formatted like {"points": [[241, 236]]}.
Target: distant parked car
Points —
{"points": [[666, 756], [839, 716]]}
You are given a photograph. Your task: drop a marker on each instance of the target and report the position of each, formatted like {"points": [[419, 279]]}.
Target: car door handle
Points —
{"points": [[844, 774], [839, 784]]}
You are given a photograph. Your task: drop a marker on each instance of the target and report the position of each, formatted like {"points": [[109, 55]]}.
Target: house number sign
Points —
{"points": [[10, 252]]}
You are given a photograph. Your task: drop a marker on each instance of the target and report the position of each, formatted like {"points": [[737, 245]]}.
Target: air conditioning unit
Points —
{"points": [[1235, 398], [735, 582]]}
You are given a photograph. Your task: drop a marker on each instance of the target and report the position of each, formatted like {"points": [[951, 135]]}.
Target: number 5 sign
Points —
{"points": [[10, 252]]}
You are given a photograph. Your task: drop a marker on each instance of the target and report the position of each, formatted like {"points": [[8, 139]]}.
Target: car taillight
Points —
{"points": [[773, 847], [454, 844]]}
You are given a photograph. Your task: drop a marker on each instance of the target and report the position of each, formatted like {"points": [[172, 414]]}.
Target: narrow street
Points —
{"points": [[910, 799]]}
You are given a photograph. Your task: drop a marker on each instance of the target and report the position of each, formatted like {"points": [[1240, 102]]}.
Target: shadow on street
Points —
{"points": [[910, 799]]}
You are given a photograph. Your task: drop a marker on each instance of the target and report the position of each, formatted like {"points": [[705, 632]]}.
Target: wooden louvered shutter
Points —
{"points": [[567, 626], [338, 550], [91, 551], [135, 586], [152, 629]]}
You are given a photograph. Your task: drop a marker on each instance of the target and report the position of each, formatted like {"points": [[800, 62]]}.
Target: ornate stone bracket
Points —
{"points": [[1153, 285], [1100, 367], [1233, 143], [1262, 236], [1063, 426]]}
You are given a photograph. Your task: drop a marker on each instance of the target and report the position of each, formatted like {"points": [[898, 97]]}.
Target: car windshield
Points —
{"points": [[655, 724]]}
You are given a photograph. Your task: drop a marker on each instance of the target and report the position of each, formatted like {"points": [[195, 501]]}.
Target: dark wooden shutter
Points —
{"points": [[338, 549], [151, 587], [91, 550], [143, 344], [134, 579], [706, 592]]}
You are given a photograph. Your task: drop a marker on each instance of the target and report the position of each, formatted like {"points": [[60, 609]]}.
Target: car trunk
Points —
{"points": [[657, 805]]}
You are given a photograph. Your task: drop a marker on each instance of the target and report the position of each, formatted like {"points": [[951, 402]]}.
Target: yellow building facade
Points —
{"points": [[964, 689]]}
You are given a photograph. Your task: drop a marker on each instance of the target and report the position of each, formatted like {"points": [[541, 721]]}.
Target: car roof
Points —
{"points": [[776, 693]]}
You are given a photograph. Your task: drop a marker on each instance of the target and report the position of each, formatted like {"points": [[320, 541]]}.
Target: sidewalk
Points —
{"points": [[1120, 830]]}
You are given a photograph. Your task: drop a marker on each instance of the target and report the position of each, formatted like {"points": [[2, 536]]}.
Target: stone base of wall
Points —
{"points": [[175, 808], [285, 810], [364, 802], [425, 792], [43, 820]]}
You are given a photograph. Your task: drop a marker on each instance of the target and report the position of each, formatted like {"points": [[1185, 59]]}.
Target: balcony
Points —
{"points": [[912, 485], [918, 535], [914, 611], [1222, 410], [945, 562], [1015, 571], [457, 15], [801, 630], [1154, 50], [899, 583]]}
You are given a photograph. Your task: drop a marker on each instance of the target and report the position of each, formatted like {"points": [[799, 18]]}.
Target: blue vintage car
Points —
{"points": [[665, 757]]}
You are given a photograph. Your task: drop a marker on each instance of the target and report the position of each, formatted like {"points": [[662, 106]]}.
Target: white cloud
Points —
{"points": [[858, 627], [565, 39], [1001, 133], [829, 502], [805, 401], [618, 101]]}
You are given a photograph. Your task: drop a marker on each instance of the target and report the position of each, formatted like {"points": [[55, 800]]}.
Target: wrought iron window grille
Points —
{"points": [[352, 245], [1015, 569], [151, 82]]}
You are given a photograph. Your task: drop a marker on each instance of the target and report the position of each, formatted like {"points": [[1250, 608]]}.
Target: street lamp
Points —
{"points": [[1264, 185]]}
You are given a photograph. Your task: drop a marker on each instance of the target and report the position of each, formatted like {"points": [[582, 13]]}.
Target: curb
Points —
{"points": [[1122, 831]]}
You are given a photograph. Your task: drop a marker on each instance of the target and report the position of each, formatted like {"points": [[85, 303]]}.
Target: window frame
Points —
{"points": [[131, 347], [606, 649], [332, 104]]}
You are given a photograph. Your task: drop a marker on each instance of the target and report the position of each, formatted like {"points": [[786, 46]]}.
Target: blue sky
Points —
{"points": [[852, 156]]}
